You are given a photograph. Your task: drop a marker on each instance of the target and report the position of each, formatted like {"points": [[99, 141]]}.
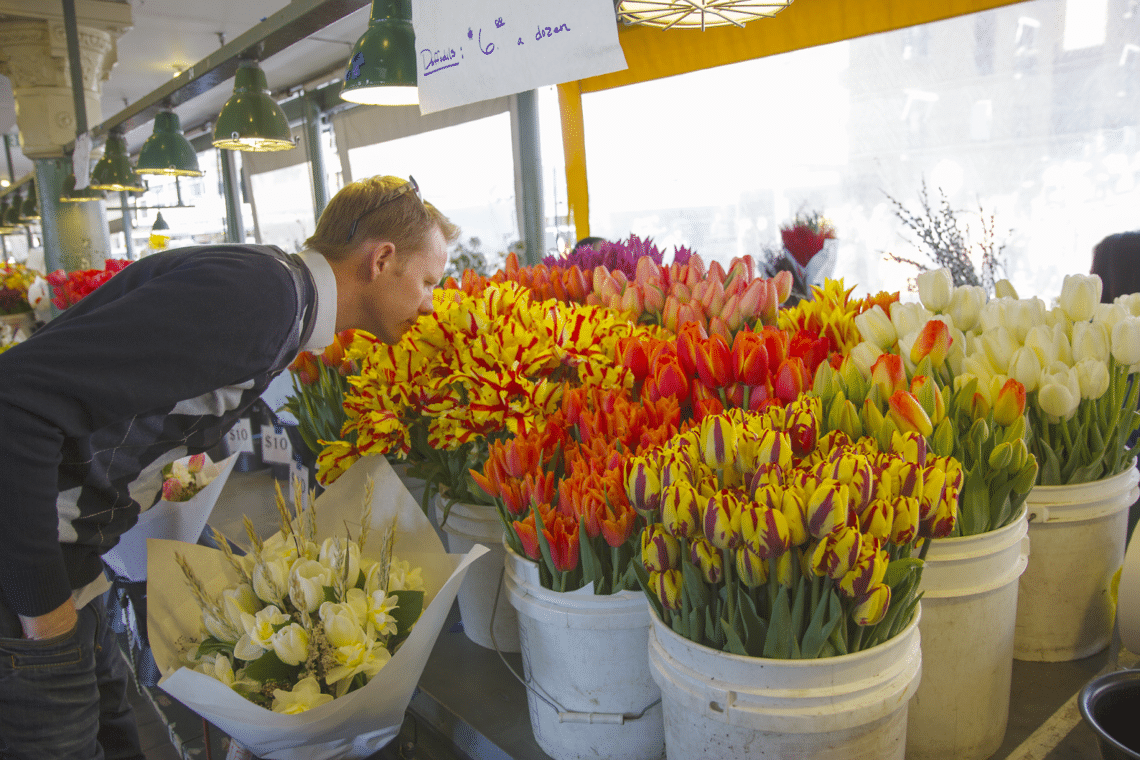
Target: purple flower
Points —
{"points": [[622, 255]]}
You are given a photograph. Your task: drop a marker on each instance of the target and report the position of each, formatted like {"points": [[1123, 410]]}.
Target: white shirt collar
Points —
{"points": [[324, 329]]}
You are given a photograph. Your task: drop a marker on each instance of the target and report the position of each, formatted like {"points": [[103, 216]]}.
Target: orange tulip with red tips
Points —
{"points": [[888, 374], [1010, 403], [527, 532], [616, 529], [669, 378], [632, 354], [562, 537], [306, 368], [791, 379], [908, 414], [714, 362], [934, 341]]}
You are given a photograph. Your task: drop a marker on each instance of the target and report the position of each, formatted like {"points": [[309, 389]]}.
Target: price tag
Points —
{"points": [[240, 437], [275, 447], [299, 478]]}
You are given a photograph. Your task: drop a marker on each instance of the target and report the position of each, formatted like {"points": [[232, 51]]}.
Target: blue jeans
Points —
{"points": [[65, 697]]}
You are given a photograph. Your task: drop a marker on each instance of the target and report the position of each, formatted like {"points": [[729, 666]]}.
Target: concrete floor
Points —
{"points": [[1044, 722]]}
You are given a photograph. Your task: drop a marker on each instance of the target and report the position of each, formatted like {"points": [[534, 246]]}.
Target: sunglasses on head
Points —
{"points": [[410, 186]]}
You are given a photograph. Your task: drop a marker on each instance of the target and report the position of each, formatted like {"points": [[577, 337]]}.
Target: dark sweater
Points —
{"points": [[158, 362]]}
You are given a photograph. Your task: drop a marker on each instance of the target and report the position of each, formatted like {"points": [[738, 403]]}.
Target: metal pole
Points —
{"points": [[127, 226], [252, 202], [530, 168], [71, 27], [50, 173], [316, 154], [235, 226], [8, 155]]}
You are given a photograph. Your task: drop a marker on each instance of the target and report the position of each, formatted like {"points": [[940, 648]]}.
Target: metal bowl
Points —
{"points": [[1111, 705]]}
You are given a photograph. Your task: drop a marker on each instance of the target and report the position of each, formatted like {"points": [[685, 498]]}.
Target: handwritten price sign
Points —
{"points": [[477, 51]]}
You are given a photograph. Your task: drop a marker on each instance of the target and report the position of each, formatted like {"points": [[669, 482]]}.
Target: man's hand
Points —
{"points": [[55, 623]]}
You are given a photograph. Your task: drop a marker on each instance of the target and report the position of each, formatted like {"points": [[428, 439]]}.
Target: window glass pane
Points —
{"points": [[284, 206], [467, 171], [988, 109]]}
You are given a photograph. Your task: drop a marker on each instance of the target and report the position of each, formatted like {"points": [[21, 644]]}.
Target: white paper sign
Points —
{"points": [[240, 437], [275, 447], [467, 52], [81, 160]]}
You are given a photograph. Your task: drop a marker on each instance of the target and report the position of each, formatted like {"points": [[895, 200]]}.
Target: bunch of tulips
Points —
{"points": [[68, 288], [768, 540]]}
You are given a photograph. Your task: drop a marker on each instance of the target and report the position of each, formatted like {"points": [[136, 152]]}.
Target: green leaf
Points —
{"points": [[714, 631], [818, 631], [411, 606], [733, 643], [778, 642], [210, 645], [642, 576], [755, 627], [1051, 469], [899, 570], [592, 569], [269, 667], [694, 584], [696, 628]]}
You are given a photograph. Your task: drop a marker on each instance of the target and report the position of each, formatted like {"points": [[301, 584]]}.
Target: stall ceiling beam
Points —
{"points": [[293, 23], [657, 53]]}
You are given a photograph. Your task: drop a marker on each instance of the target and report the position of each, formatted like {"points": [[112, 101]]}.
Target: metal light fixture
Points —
{"points": [[31, 209], [114, 171], [382, 67], [696, 14], [250, 119], [12, 217], [159, 223], [167, 151], [70, 195]]}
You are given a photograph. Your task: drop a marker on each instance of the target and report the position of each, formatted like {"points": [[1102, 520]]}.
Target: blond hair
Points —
{"points": [[383, 214]]}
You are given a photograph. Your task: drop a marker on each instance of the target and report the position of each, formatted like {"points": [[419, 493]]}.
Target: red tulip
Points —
{"points": [[749, 358]]}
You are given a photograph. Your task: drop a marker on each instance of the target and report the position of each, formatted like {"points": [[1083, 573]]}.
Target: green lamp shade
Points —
{"points": [[159, 223], [12, 217], [114, 171], [250, 119], [382, 67], [167, 151], [71, 195], [30, 211]]}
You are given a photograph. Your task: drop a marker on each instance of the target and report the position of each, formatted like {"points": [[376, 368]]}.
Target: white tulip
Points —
{"points": [[353, 650], [979, 366], [305, 695], [271, 580], [1108, 314], [1056, 399], [934, 288], [1022, 316], [1061, 345], [875, 326], [307, 584], [957, 356], [291, 644], [966, 304], [1004, 289], [992, 315], [238, 601], [1092, 374], [332, 555], [1080, 293], [1025, 367], [220, 628], [1130, 302], [999, 346], [908, 317], [1090, 341], [1040, 340], [217, 666], [1126, 341]]}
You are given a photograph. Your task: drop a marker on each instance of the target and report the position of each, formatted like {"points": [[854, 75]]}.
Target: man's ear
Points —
{"points": [[381, 255]]}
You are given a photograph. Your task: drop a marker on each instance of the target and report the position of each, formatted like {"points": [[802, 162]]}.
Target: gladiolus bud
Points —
{"points": [[908, 414], [873, 607], [660, 550], [933, 341], [667, 585], [708, 559]]}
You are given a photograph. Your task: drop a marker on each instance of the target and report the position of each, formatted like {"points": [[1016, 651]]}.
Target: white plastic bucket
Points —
{"points": [[466, 526], [721, 706], [586, 656], [969, 609], [1064, 608]]}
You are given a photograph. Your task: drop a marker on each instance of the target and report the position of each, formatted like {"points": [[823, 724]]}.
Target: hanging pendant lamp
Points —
{"points": [[167, 151], [382, 67], [696, 14], [159, 223], [250, 119], [70, 195], [114, 171], [31, 208]]}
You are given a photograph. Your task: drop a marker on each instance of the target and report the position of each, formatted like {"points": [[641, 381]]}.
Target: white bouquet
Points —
{"points": [[307, 648]]}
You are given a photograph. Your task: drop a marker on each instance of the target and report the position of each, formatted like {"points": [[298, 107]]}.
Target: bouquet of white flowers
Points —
{"points": [[307, 647]]}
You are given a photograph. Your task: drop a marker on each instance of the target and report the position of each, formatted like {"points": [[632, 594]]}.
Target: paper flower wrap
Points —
{"points": [[174, 520], [357, 724]]}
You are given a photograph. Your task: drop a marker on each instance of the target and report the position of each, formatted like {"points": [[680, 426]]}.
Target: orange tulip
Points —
{"points": [[749, 358], [1010, 403], [908, 414], [934, 341], [888, 375], [617, 528], [563, 541], [791, 379]]}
